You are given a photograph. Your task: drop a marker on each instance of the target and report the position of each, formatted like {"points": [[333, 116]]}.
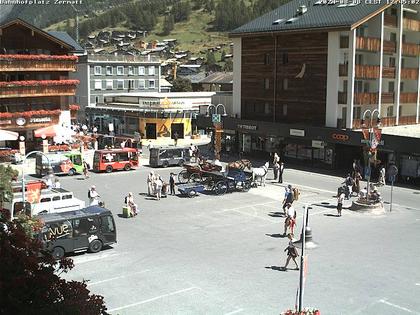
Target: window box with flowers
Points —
{"points": [[31, 113], [37, 88], [38, 62], [306, 311]]}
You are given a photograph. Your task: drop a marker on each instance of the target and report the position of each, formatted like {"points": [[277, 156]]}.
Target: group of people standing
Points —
{"points": [[278, 168], [157, 187]]}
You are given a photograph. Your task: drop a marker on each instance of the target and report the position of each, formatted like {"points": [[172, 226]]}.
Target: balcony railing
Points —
{"points": [[390, 20], [38, 88], [388, 72], [412, 25], [410, 49], [407, 120], [389, 47], [385, 122], [368, 43], [366, 72], [408, 98], [365, 98], [387, 98], [37, 63], [343, 70], [409, 73]]}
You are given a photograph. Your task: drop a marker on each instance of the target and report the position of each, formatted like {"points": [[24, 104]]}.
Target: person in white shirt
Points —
{"points": [[130, 203], [56, 183], [158, 187], [290, 219], [93, 196], [340, 200], [382, 176]]}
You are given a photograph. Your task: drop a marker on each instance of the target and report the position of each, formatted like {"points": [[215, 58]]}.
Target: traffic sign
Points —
{"points": [[216, 118]]}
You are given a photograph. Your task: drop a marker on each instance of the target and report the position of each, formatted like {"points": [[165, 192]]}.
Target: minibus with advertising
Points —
{"points": [[115, 159], [60, 162], [87, 229]]}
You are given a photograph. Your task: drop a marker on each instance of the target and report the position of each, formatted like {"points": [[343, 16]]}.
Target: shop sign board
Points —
{"points": [[297, 132], [340, 137], [246, 127], [318, 144], [216, 118]]}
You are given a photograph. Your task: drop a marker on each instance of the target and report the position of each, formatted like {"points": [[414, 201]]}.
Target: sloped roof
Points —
{"points": [[318, 16], [219, 78], [65, 37]]}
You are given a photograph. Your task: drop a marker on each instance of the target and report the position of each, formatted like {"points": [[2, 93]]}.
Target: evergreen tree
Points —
{"points": [[181, 85], [210, 60], [168, 24]]}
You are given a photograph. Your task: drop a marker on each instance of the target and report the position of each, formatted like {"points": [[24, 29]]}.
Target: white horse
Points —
{"points": [[260, 172]]}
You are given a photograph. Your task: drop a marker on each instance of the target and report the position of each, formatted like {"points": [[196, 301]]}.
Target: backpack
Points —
{"points": [[296, 194], [125, 199]]}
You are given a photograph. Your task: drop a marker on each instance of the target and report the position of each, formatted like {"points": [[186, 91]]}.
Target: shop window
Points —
{"points": [[266, 83], [98, 70], [290, 150], [268, 108], [303, 152], [120, 70], [152, 84]]}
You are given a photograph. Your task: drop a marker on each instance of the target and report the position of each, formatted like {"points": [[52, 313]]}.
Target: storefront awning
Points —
{"points": [[6, 135]]}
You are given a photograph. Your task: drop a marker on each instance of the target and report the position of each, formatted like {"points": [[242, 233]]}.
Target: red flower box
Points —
{"points": [[31, 113], [12, 84], [74, 107], [38, 57]]}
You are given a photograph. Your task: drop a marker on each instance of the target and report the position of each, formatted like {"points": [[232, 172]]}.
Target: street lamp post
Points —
{"points": [[217, 123], [371, 115], [23, 173]]}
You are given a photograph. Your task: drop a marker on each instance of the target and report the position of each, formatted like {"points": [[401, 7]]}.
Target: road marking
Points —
{"points": [[235, 312], [115, 278], [384, 301], [151, 300], [88, 258]]}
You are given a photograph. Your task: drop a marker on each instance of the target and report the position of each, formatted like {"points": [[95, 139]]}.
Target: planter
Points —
{"points": [[306, 311]]}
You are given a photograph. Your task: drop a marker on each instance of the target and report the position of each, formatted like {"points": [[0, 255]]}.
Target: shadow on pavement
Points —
{"points": [[276, 268], [276, 214], [331, 215], [277, 235]]}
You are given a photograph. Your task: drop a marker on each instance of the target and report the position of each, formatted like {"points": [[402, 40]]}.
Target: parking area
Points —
{"points": [[222, 254]]}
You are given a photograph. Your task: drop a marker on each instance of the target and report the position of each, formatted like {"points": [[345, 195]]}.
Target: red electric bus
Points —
{"points": [[115, 159]]}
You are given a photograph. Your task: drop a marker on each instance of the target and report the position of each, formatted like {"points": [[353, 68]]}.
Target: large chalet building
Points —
{"points": [[35, 89], [305, 73]]}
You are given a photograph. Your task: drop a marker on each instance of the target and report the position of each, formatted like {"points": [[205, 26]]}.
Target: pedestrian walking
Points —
{"points": [[288, 197], [357, 178], [93, 196], [150, 183], [176, 136], [276, 168], [382, 174], [158, 184], [276, 158], [348, 182], [172, 183], [85, 169], [281, 169], [292, 253], [289, 222], [340, 200]]}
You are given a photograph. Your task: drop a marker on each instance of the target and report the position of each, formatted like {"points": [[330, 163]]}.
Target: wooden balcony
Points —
{"points": [[342, 97], [388, 72], [390, 20], [408, 98], [13, 63], [409, 73], [387, 98], [366, 72], [389, 47], [385, 122], [410, 49], [412, 25], [37, 88], [368, 43], [365, 98], [343, 70], [407, 120]]}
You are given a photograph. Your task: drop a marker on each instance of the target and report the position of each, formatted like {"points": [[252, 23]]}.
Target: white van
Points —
{"points": [[51, 201]]}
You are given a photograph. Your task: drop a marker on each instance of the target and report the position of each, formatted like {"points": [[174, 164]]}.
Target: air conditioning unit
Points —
{"points": [[302, 9]]}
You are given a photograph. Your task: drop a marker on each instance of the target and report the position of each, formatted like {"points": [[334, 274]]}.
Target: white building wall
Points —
{"points": [[237, 74], [332, 79]]}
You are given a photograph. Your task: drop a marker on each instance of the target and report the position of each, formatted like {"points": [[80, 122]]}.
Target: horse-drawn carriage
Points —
{"points": [[234, 178]]}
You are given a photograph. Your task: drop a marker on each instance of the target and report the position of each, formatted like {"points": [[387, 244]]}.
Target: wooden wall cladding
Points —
{"points": [[302, 60]]}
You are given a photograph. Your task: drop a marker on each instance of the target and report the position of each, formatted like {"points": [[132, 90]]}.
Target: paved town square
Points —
{"points": [[223, 254]]}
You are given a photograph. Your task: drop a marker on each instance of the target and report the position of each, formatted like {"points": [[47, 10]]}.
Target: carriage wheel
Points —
{"points": [[246, 186], [220, 188], [183, 177], [195, 178]]}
